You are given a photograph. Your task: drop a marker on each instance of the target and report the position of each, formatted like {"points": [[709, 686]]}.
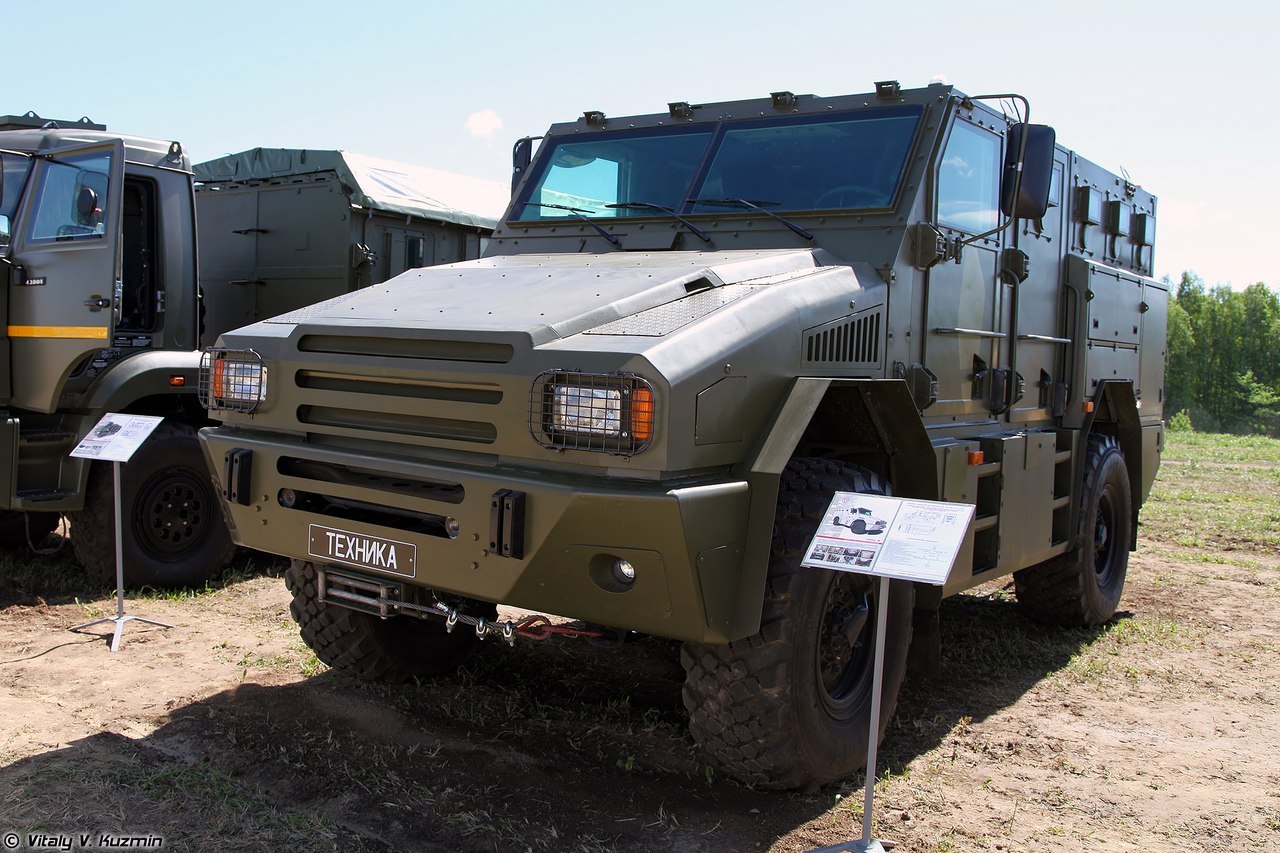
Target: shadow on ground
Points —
{"points": [[545, 746], [28, 578]]}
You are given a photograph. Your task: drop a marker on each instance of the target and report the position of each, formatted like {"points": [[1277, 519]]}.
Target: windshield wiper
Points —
{"points": [[578, 212], [648, 205], [752, 205]]}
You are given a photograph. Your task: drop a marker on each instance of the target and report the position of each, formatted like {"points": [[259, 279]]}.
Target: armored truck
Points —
{"points": [[102, 312], [688, 330]]}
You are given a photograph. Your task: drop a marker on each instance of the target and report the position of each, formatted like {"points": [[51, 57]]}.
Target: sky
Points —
{"points": [[1180, 95]]}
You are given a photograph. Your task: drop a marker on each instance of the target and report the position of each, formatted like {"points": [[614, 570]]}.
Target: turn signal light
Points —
{"points": [[642, 414]]}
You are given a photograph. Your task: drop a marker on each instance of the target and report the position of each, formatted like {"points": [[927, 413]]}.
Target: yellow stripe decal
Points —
{"points": [[90, 332]]}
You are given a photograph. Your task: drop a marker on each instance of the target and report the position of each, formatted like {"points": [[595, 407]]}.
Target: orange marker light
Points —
{"points": [[642, 414], [219, 378], [177, 381], [1088, 407], [977, 457]]}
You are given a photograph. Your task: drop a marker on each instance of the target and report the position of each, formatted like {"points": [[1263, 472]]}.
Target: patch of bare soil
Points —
{"points": [[1159, 732]]}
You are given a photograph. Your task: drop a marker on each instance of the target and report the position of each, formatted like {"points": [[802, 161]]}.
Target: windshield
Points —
{"points": [[841, 161]]}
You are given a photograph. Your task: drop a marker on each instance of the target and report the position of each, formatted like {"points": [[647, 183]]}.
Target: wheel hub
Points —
{"points": [[845, 645], [175, 514], [1103, 542]]}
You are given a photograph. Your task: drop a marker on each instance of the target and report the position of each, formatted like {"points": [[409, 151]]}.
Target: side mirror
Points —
{"points": [[1037, 171], [87, 206], [521, 156]]}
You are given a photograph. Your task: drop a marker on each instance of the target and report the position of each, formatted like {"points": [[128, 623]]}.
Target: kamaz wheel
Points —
{"points": [[174, 532], [791, 706], [369, 647], [17, 529], [1083, 586], [859, 526]]}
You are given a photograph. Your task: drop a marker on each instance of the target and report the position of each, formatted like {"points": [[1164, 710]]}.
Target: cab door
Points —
{"points": [[65, 283], [964, 336]]}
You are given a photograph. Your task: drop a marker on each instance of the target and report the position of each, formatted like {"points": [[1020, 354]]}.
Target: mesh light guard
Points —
{"points": [[635, 401], [242, 369]]}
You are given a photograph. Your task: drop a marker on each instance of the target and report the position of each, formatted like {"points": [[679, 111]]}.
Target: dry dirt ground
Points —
{"points": [[1159, 732]]}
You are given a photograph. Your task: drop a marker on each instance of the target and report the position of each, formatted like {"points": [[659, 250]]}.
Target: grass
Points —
{"points": [[1216, 493]]}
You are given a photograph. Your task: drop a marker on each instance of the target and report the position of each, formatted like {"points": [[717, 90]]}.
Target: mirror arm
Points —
{"points": [[1022, 153]]}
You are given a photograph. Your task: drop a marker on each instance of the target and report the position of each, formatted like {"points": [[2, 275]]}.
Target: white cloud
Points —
{"points": [[483, 124]]}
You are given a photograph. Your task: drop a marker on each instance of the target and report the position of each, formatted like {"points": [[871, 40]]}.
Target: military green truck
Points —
{"points": [[688, 331], [101, 312]]}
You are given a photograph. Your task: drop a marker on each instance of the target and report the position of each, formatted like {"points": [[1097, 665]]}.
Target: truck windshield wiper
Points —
{"points": [[752, 205], [578, 212], [648, 205]]}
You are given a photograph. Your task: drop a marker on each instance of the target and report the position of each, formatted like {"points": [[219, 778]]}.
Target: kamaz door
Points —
{"points": [[65, 279]]}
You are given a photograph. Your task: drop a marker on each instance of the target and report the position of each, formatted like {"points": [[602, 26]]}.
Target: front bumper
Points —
{"points": [[685, 541]]}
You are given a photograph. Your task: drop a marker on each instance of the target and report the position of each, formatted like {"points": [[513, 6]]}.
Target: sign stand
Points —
{"points": [[115, 438], [888, 538]]}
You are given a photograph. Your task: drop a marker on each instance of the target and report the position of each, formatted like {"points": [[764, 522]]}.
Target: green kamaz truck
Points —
{"points": [[101, 311], [689, 330]]}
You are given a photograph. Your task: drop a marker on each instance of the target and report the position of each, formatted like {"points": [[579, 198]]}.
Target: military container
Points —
{"points": [[689, 329], [281, 228]]}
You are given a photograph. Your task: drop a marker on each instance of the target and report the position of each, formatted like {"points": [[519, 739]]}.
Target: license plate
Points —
{"points": [[362, 550]]}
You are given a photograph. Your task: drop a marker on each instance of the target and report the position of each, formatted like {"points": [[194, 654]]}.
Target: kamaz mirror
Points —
{"points": [[87, 205], [1037, 170]]}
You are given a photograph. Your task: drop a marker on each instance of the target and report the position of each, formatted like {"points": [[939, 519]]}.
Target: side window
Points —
{"points": [[968, 180], [70, 198], [14, 171]]}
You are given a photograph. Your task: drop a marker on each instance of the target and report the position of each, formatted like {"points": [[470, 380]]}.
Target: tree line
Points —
{"points": [[1223, 369]]}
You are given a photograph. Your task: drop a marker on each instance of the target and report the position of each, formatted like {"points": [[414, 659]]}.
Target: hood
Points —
{"points": [[548, 296]]}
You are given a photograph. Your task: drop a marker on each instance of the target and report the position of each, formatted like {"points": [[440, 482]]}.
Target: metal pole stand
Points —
{"points": [[867, 844], [120, 618]]}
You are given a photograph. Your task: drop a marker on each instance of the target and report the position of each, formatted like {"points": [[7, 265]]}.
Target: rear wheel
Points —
{"points": [[1083, 586], [369, 647], [791, 706], [24, 529], [174, 532]]}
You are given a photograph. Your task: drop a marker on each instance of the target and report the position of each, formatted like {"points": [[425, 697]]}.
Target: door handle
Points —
{"points": [[96, 303]]}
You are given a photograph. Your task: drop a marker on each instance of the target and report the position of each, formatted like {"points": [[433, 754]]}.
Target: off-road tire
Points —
{"points": [[14, 526], [1083, 586], [174, 531], [369, 647], [760, 707]]}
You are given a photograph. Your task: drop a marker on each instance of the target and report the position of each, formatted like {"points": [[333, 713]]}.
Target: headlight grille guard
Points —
{"points": [[590, 397], [231, 380]]}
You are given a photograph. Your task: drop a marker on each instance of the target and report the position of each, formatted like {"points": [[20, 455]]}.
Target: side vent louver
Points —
{"points": [[849, 340]]}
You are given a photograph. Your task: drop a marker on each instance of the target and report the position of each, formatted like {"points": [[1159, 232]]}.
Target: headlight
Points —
{"points": [[232, 379], [609, 412], [597, 411]]}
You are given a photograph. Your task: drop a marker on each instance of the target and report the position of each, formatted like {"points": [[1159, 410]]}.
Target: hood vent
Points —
{"points": [[847, 341], [664, 319]]}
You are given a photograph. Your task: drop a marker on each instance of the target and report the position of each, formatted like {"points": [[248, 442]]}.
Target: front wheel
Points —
{"points": [[174, 532], [791, 706]]}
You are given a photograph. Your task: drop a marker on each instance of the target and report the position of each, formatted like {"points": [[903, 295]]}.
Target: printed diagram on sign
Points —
{"points": [[861, 520]]}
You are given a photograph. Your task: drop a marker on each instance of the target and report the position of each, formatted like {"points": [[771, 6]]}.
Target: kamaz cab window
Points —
{"points": [[71, 198], [968, 179], [810, 162]]}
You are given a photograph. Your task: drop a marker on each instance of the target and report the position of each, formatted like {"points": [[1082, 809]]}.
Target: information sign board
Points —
{"points": [[116, 437], [890, 537]]}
